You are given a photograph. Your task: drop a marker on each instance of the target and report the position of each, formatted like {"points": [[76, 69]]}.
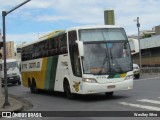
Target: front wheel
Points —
{"points": [[109, 94], [19, 82], [137, 76], [67, 90]]}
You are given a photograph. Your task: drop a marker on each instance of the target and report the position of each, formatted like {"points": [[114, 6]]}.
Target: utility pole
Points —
{"points": [[138, 26], [4, 14], [1, 44]]}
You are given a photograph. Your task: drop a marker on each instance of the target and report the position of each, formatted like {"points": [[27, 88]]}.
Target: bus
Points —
{"points": [[79, 60]]}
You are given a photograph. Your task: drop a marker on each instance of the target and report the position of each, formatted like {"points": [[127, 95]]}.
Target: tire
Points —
{"points": [[14, 83], [67, 90], [137, 76], [109, 94], [19, 82], [34, 87], [30, 85]]}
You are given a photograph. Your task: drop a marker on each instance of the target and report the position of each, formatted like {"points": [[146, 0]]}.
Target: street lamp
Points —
{"points": [[4, 14], [138, 26]]}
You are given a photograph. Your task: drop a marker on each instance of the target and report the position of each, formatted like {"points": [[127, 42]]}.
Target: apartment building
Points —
{"points": [[10, 53]]}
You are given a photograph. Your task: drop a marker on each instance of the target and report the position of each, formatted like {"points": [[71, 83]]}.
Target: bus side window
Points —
{"points": [[27, 52], [74, 54], [46, 48], [34, 54], [63, 44], [53, 47]]}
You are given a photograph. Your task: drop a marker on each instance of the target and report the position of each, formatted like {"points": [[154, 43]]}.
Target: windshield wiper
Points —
{"points": [[105, 59], [121, 70]]}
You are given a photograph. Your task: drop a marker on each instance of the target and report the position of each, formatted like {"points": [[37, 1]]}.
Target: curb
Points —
{"points": [[15, 105]]}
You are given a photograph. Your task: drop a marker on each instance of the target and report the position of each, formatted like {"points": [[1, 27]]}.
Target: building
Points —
{"points": [[144, 34], [150, 52], [147, 33], [157, 30], [150, 48], [10, 53]]}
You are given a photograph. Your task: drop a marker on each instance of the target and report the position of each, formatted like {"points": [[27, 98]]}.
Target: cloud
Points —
{"points": [[91, 11], [51, 18], [85, 12], [20, 38], [76, 11]]}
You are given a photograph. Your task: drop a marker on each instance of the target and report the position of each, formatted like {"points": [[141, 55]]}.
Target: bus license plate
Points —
{"points": [[111, 86]]}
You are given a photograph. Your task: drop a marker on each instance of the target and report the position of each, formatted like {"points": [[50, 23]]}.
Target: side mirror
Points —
{"points": [[80, 48]]}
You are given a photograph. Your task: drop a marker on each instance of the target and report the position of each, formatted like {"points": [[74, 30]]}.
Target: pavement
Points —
{"points": [[149, 75], [15, 105]]}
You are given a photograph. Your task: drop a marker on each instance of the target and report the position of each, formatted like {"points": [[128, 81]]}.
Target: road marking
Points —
{"points": [[149, 101], [147, 79], [141, 106], [21, 94]]}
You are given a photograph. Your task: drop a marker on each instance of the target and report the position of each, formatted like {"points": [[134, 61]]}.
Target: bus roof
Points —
{"points": [[47, 36], [58, 32], [93, 27], [50, 34]]}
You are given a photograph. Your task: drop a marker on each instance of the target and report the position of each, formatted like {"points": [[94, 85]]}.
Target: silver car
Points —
{"points": [[136, 71]]}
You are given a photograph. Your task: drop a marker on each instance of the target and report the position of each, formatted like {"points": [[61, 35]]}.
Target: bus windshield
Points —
{"points": [[106, 58], [102, 34]]}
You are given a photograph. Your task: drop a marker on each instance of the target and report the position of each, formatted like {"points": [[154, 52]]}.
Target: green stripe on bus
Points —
{"points": [[117, 75], [51, 72], [114, 76]]}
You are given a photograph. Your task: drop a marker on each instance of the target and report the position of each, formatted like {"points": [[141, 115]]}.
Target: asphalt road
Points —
{"points": [[144, 97]]}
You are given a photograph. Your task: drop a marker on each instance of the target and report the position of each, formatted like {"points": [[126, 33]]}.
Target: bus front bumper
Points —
{"points": [[90, 88]]}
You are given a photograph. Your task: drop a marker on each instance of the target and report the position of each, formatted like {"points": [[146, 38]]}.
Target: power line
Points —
{"points": [[28, 19]]}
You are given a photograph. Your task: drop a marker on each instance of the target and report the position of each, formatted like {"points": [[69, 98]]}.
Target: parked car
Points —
{"points": [[13, 73], [136, 71]]}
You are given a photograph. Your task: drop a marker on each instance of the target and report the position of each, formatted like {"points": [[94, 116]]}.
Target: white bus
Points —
{"points": [[80, 60]]}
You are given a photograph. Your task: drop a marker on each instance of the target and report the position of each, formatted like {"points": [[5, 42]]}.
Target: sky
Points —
{"points": [[39, 17]]}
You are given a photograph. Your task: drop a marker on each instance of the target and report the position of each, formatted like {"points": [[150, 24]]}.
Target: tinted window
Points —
{"points": [[63, 43], [74, 54], [102, 34], [53, 46]]}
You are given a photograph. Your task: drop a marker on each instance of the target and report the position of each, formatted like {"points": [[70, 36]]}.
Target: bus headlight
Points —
{"points": [[90, 80], [128, 77]]}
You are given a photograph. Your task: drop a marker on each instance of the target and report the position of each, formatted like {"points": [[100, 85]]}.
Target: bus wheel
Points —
{"points": [[19, 82], [109, 94], [67, 90], [137, 76], [33, 86], [30, 85]]}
